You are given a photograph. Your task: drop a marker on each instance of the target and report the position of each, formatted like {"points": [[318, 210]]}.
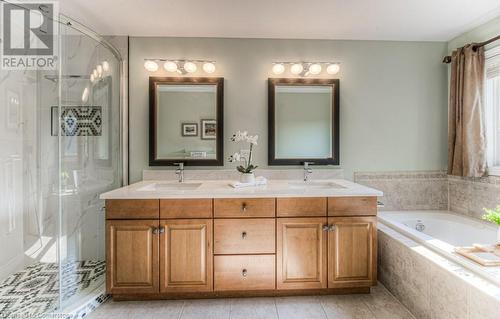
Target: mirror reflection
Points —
{"points": [[187, 122], [303, 117]]}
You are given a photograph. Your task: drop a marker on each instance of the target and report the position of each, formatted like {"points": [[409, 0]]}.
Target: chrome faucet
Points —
{"points": [[307, 170], [180, 171]]}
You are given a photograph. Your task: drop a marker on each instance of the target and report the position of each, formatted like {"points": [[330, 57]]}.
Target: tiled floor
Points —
{"points": [[35, 290], [380, 304]]}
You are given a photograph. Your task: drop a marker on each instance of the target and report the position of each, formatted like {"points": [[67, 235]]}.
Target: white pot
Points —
{"points": [[247, 178]]}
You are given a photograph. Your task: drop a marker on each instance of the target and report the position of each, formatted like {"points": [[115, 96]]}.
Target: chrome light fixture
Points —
{"points": [[306, 68], [180, 66]]}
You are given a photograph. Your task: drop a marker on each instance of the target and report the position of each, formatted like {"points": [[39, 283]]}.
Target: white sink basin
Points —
{"points": [[169, 186], [315, 185]]}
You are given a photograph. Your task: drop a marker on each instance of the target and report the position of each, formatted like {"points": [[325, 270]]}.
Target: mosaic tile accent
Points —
{"points": [[35, 290], [78, 121], [416, 190]]}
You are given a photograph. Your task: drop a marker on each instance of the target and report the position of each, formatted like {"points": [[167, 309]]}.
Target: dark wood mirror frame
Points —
{"points": [[334, 83], [219, 83]]}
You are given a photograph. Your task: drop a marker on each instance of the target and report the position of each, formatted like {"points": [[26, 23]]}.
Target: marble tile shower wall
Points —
{"points": [[468, 196], [415, 190]]}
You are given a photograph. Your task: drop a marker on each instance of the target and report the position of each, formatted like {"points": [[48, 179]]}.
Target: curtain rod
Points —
{"points": [[447, 59]]}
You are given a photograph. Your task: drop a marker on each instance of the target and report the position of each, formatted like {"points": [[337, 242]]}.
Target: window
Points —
{"points": [[493, 109]]}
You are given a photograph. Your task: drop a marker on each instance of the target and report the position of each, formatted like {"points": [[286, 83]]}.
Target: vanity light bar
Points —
{"points": [[306, 68], [180, 66]]}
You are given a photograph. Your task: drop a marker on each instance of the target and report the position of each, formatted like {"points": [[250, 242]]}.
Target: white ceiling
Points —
{"points": [[410, 20]]}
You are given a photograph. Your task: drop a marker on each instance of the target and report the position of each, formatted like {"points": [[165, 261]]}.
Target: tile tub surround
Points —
{"points": [[232, 174], [429, 285], [380, 304], [468, 196], [411, 190]]}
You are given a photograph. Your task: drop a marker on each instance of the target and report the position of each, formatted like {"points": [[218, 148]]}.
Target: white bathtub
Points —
{"points": [[442, 231]]}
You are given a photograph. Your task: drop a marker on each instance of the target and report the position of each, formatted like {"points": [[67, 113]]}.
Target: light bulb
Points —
{"points": [[296, 68], [95, 74], [99, 70], [170, 66], [92, 78], [85, 95], [151, 66], [278, 68], [315, 69], [190, 67], [105, 66], [333, 68], [209, 67]]}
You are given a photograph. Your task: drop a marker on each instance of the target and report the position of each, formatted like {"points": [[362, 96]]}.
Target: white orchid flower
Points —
{"points": [[236, 157], [253, 139], [239, 136]]}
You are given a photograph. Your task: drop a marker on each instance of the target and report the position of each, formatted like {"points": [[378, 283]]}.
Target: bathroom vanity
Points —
{"points": [[206, 239]]}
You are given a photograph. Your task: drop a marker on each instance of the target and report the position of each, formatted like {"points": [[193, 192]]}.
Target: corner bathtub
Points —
{"points": [[442, 231]]}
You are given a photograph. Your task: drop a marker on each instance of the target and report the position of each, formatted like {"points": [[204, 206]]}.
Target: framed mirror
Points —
{"points": [[186, 121], [303, 121]]}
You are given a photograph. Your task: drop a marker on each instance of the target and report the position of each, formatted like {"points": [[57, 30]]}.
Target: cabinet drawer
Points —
{"points": [[352, 206], [132, 209], [185, 208], [244, 207], [301, 207], [250, 272], [244, 236]]}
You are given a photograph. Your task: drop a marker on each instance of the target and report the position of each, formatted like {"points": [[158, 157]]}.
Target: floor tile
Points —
{"points": [[345, 307], [253, 308], [380, 304], [300, 308], [159, 309], [206, 309], [384, 306]]}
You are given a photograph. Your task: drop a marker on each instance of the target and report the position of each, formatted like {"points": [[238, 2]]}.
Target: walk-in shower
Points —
{"points": [[60, 147]]}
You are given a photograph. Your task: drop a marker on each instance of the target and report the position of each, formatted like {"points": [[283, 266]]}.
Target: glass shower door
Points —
{"points": [[90, 159]]}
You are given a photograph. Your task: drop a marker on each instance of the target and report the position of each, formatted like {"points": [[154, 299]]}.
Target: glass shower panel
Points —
{"points": [[90, 158]]}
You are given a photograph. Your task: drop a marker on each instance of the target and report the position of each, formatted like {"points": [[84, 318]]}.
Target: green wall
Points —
{"points": [[393, 100]]}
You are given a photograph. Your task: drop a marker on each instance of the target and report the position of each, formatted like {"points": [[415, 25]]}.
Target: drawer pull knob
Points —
{"points": [[244, 272], [156, 230], [331, 228], [244, 235], [162, 230], [326, 228], [244, 207]]}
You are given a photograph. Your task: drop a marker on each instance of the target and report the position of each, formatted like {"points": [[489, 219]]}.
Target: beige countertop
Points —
{"points": [[221, 189]]}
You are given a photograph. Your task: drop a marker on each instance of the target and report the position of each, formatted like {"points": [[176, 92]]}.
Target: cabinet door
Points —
{"points": [[301, 253], [186, 255], [352, 252], [131, 256]]}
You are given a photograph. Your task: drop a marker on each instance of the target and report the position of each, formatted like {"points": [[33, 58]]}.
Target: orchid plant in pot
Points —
{"points": [[247, 169], [493, 215]]}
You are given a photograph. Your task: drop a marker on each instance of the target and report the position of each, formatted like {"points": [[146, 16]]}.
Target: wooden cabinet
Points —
{"points": [[301, 253], [244, 207], [244, 236], [185, 208], [166, 248], [244, 272], [186, 255], [131, 256], [301, 206], [352, 259]]}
